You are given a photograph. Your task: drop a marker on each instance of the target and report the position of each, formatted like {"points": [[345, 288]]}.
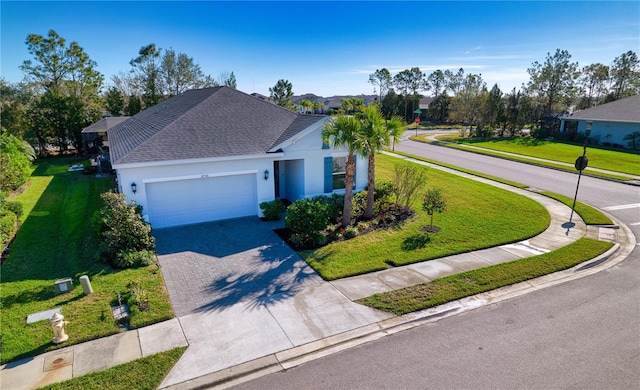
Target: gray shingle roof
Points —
{"points": [[204, 123], [623, 110], [105, 124]]}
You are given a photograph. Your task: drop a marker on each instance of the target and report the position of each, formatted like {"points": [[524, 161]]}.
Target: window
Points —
{"points": [[335, 173], [339, 172]]}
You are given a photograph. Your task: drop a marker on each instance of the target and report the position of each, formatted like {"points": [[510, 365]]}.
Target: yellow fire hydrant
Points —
{"points": [[57, 323]]}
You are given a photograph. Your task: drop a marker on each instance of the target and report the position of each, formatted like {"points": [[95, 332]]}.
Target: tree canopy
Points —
{"points": [[281, 93], [70, 86], [554, 80]]}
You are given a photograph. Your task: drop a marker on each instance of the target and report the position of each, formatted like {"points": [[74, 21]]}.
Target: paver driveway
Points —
{"points": [[240, 293], [212, 266]]}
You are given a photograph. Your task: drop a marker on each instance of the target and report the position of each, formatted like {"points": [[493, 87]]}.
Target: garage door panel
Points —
{"points": [[184, 202]]}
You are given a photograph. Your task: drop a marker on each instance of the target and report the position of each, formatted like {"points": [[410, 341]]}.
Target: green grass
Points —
{"points": [[141, 374], [56, 241], [450, 288], [619, 160], [478, 216], [589, 215]]}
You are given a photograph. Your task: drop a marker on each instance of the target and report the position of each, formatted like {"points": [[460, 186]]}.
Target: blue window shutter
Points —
{"points": [[325, 145], [328, 174]]}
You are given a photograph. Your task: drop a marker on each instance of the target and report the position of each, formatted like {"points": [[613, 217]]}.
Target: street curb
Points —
{"points": [[533, 163], [290, 358]]}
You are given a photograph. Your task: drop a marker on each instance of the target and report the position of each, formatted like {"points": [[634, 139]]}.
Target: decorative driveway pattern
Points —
{"points": [[240, 293], [212, 266]]}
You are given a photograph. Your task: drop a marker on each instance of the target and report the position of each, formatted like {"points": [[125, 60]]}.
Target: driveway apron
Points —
{"points": [[241, 293]]}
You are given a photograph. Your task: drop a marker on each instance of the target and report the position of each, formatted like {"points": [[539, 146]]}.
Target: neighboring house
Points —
{"points": [[424, 107], [95, 135], [611, 122], [217, 153]]}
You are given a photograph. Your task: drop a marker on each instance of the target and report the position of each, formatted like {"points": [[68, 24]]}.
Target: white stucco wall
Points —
{"points": [[310, 149], [190, 169], [301, 171]]}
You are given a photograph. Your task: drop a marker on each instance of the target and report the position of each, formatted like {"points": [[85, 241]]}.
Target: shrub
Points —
{"points": [[350, 233], [14, 207], [358, 204], [138, 296], [383, 191], [408, 177], [318, 239], [131, 259], [633, 140], [272, 210], [8, 226], [121, 228], [308, 216], [15, 160]]}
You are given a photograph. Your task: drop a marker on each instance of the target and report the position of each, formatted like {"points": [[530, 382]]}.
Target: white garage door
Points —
{"points": [[183, 202]]}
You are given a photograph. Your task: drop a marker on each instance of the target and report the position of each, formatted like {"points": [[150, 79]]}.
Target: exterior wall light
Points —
{"points": [[266, 175], [134, 187]]}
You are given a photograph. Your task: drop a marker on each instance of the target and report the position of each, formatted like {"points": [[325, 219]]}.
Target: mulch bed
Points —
{"points": [[391, 217]]}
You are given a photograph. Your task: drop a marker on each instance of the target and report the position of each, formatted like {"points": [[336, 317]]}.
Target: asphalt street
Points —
{"points": [[583, 334]]}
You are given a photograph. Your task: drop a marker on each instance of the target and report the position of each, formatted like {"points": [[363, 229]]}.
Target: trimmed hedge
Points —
{"points": [[8, 227]]}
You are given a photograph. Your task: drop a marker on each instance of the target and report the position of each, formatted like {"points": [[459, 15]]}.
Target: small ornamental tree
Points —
{"points": [[433, 202]]}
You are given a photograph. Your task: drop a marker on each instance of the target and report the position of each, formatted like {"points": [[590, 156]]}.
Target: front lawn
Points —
{"points": [[478, 216], [56, 241]]}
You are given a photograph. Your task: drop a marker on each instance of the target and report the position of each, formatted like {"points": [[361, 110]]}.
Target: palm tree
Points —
{"points": [[318, 107], [343, 131], [307, 104], [375, 134]]}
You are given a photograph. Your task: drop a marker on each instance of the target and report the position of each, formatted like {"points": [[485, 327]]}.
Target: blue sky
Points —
{"points": [[330, 48]]}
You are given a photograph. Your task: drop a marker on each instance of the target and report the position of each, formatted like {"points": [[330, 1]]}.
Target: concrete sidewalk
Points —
{"points": [[250, 338]]}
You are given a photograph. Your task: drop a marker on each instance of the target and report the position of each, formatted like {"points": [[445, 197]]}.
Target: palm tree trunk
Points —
{"points": [[350, 170], [371, 181]]}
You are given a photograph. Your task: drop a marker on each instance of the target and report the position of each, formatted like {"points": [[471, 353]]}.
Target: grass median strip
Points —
{"points": [[589, 215], [453, 287], [142, 374], [463, 170]]}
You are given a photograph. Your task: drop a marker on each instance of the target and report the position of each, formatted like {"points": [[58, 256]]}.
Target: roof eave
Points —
{"points": [[301, 134], [148, 164], [599, 120]]}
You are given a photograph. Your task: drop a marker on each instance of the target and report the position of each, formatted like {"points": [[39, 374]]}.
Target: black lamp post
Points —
{"points": [[581, 164]]}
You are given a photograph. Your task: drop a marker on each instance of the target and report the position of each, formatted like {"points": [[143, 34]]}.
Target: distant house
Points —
{"points": [[611, 122], [95, 136], [424, 107], [217, 153]]}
